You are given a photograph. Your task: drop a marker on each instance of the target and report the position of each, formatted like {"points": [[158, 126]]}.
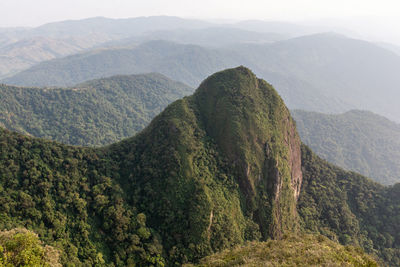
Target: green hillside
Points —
{"points": [[360, 141], [212, 171], [350, 208], [199, 191], [95, 113]]}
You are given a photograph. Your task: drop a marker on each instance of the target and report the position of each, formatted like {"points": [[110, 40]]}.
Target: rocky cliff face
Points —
{"points": [[254, 130]]}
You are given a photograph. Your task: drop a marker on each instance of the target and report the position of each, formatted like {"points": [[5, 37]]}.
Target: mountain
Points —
{"points": [[285, 28], [186, 63], [208, 37], [360, 141], [349, 208], [101, 26], [324, 72], [213, 170], [95, 113], [21, 48], [355, 73], [392, 47], [117, 27], [204, 175], [66, 195], [24, 53]]}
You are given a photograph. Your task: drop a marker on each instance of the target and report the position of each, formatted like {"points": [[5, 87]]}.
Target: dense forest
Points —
{"points": [[94, 113], [66, 195], [360, 141], [212, 171], [350, 208]]}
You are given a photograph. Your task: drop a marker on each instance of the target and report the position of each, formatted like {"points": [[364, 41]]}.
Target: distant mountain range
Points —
{"points": [[30, 46], [360, 141], [216, 36], [21, 48], [186, 63], [323, 72]]}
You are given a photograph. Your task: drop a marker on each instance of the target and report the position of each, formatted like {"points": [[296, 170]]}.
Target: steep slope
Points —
{"points": [[203, 185], [97, 112], [350, 208], [360, 141], [186, 63], [213, 170], [66, 195]]}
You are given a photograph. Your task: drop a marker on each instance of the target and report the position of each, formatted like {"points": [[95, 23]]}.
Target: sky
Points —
{"points": [[379, 18]]}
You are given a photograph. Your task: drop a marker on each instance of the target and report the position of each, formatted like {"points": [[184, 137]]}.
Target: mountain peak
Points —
{"points": [[229, 154], [252, 126]]}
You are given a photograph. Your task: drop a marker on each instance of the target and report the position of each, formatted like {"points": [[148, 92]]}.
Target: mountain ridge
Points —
{"points": [[357, 140], [311, 72], [94, 113], [213, 170]]}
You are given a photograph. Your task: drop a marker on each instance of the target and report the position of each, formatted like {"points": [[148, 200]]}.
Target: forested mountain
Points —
{"points": [[350, 208], [323, 72], [97, 112], [360, 141], [213, 170]]}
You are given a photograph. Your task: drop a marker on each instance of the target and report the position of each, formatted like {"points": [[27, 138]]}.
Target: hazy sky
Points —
{"points": [[368, 14]]}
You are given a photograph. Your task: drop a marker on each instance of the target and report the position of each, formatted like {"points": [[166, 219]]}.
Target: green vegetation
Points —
{"points": [[350, 208], [171, 185], [303, 250], [66, 196], [360, 141], [20, 247], [93, 113], [212, 171], [211, 192]]}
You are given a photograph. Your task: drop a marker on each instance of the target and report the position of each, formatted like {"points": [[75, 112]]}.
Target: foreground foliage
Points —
{"points": [[303, 250], [20, 247]]}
